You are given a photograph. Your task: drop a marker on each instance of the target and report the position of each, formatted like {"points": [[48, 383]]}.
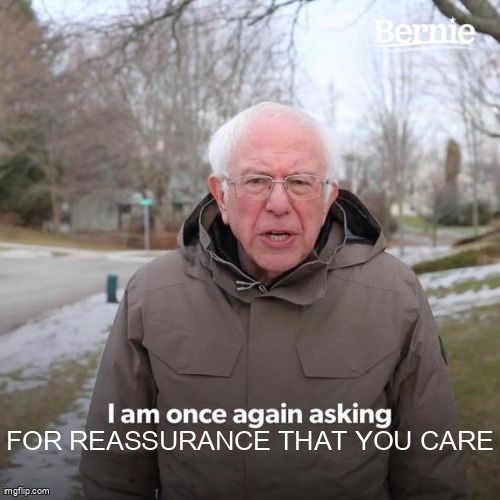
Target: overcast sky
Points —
{"points": [[332, 46], [334, 40]]}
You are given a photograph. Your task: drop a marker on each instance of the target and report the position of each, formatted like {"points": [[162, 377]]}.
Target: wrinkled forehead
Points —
{"points": [[275, 139]]}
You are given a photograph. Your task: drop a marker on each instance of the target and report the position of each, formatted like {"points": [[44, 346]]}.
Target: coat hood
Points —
{"points": [[350, 236]]}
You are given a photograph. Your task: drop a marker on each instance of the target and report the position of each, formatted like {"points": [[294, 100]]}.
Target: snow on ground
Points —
{"points": [[134, 256], [31, 250], [459, 302], [452, 277], [18, 251], [22, 253], [453, 302], [70, 332], [417, 253]]}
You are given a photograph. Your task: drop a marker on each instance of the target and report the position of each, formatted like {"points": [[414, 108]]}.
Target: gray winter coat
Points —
{"points": [[350, 326]]}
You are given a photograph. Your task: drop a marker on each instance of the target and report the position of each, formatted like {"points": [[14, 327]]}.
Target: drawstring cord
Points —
{"points": [[247, 285]]}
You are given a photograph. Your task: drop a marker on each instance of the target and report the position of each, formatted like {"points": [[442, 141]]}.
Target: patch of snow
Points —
{"points": [[451, 277], [45, 248], [418, 253], [66, 333], [18, 250], [457, 302], [135, 256], [26, 254]]}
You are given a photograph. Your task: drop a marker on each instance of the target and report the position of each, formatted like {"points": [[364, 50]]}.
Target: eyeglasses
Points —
{"points": [[259, 187]]}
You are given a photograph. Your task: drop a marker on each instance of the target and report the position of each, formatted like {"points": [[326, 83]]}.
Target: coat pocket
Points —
{"points": [[190, 353], [344, 356]]}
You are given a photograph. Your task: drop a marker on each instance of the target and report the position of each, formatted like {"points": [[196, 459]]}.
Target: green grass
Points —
{"points": [[33, 236], [464, 286], [33, 409], [466, 258], [473, 348], [417, 223]]}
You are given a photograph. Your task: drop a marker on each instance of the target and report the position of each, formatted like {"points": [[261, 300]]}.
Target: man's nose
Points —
{"points": [[278, 200]]}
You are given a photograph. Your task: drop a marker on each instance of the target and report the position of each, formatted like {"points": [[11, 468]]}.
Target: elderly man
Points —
{"points": [[279, 297]]}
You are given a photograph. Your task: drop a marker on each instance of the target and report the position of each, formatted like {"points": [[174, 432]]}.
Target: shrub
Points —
{"points": [[484, 214], [462, 215], [462, 259]]}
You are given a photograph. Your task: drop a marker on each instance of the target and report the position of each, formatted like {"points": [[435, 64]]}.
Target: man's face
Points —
{"points": [[278, 233]]}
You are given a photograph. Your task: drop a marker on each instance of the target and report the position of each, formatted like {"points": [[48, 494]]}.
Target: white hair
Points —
{"points": [[224, 141]]}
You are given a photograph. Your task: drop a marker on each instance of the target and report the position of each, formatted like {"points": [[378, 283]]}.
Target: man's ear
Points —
{"points": [[217, 190], [332, 196], [334, 193]]}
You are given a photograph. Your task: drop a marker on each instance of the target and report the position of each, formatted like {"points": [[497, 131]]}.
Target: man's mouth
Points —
{"points": [[278, 235]]}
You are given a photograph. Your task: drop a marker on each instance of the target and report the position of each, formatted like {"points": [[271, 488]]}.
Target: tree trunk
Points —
{"points": [[475, 178], [434, 229]]}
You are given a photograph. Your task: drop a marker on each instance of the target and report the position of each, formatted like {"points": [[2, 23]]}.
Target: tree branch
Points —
{"points": [[482, 15]]}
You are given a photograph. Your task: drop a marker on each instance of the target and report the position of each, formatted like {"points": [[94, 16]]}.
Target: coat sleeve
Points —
{"points": [[125, 379], [423, 400]]}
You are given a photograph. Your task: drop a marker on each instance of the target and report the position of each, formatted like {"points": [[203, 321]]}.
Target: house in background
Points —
{"points": [[106, 210], [120, 210]]}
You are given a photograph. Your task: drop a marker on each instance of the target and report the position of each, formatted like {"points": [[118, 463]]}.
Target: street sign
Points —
{"points": [[147, 202]]}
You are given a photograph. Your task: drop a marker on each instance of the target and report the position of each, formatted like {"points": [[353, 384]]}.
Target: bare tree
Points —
{"points": [[177, 91], [75, 140], [23, 65], [132, 104], [467, 85], [391, 122]]}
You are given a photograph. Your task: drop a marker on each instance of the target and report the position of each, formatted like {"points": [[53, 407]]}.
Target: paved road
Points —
{"points": [[34, 284]]}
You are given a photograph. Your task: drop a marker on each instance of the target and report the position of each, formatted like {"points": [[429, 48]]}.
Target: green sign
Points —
{"points": [[147, 202]]}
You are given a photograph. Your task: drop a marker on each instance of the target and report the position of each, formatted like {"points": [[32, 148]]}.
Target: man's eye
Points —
{"points": [[300, 182], [255, 181]]}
